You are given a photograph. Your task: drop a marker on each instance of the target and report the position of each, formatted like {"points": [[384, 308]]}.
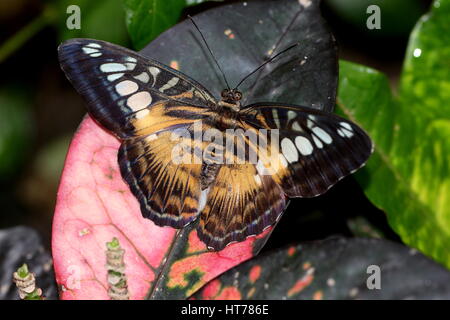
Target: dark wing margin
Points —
{"points": [[318, 148]]}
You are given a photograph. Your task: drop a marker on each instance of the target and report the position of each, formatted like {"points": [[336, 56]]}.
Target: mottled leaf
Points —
{"points": [[337, 268], [408, 175]]}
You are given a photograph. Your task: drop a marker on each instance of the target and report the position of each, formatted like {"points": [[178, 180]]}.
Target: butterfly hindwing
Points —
{"points": [[128, 94], [317, 148], [240, 203], [168, 191]]}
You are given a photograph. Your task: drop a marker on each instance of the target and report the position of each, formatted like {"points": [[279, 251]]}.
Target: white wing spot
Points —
{"points": [[171, 83], [202, 200], [257, 179], [348, 134], [346, 126], [114, 76], [139, 101], [154, 72], [304, 145], [88, 50], [126, 87], [325, 137], [346, 130], [143, 77], [142, 113], [95, 45], [112, 67], [275, 117], [296, 126], [289, 150], [341, 132], [130, 66], [291, 115], [131, 59], [318, 142], [152, 137], [96, 54]]}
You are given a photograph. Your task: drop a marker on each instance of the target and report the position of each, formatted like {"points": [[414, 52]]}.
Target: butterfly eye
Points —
{"points": [[238, 95]]}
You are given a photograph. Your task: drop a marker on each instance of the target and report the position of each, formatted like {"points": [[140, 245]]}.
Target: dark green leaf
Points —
{"points": [[146, 19], [393, 21], [408, 176], [334, 269], [244, 35]]}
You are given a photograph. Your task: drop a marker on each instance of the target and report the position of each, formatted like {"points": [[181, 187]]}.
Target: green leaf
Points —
{"points": [[114, 244], [408, 175], [103, 19], [23, 271], [15, 129], [146, 19]]}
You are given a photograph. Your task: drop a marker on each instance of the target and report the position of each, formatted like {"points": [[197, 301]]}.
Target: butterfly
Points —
{"points": [[144, 103]]}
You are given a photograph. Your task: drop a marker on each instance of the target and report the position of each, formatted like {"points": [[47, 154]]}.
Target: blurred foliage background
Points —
{"points": [[40, 111]]}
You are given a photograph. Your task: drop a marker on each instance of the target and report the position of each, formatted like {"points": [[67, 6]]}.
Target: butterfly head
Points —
{"points": [[231, 96]]}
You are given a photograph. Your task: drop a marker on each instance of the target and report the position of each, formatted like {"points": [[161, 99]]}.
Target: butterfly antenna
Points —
{"points": [[268, 61], [210, 51]]}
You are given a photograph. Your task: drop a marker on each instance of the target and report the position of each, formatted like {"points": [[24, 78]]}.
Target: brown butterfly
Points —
{"points": [[145, 103]]}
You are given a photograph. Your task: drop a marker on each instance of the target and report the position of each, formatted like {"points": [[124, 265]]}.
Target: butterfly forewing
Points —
{"points": [[128, 94], [317, 149]]}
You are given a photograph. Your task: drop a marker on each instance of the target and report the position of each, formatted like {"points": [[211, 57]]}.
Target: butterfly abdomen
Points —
{"points": [[208, 174]]}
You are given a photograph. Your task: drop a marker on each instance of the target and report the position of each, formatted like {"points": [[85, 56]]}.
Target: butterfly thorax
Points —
{"points": [[226, 118], [228, 109]]}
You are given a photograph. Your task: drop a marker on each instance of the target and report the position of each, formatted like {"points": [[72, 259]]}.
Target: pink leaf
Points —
{"points": [[94, 205]]}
